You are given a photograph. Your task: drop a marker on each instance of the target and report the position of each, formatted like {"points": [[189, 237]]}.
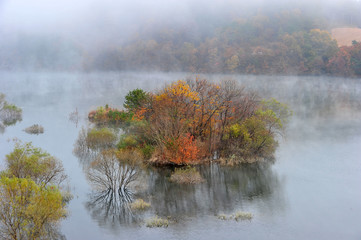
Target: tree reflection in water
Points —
{"points": [[74, 117], [9, 114], [84, 154], [111, 174], [87, 147], [110, 207], [225, 190]]}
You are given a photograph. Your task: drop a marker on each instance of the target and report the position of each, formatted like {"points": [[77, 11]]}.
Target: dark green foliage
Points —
{"points": [[134, 99], [109, 115], [147, 150], [115, 116]]}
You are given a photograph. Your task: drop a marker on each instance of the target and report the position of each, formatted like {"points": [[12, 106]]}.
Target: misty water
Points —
{"points": [[312, 191]]}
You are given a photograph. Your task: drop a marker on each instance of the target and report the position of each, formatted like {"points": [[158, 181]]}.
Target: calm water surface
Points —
{"points": [[312, 191]]}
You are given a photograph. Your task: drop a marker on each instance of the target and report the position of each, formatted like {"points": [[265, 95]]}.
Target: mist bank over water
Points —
{"points": [[315, 101], [258, 37]]}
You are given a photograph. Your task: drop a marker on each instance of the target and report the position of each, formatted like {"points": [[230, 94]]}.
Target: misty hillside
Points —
{"points": [[284, 37]]}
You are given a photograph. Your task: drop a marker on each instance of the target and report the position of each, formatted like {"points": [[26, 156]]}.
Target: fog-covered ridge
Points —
{"points": [[163, 35]]}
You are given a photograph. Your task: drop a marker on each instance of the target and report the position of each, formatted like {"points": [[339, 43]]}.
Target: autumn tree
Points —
{"points": [[27, 210], [255, 138], [249, 141], [233, 63], [169, 117], [31, 203], [27, 161], [340, 64], [275, 114]]}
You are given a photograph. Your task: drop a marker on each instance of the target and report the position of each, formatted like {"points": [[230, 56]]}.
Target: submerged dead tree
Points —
{"points": [[111, 174]]}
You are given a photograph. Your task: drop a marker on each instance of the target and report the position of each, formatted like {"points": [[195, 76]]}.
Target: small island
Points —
{"points": [[197, 121]]}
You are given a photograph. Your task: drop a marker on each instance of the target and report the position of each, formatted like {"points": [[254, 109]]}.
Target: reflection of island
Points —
{"points": [[9, 114], [224, 190], [81, 150]]}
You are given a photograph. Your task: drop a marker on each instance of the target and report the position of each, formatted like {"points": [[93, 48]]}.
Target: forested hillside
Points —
{"points": [[283, 38]]}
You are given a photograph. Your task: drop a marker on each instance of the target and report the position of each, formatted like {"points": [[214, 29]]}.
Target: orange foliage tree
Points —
{"points": [[187, 119], [180, 151]]}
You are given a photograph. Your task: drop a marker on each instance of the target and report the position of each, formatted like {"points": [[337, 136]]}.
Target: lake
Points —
{"points": [[312, 191]]}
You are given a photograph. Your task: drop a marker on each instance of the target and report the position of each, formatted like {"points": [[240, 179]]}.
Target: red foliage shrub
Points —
{"points": [[181, 151]]}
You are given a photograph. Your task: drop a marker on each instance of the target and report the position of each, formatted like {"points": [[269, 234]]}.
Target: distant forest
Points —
{"points": [[287, 40]]}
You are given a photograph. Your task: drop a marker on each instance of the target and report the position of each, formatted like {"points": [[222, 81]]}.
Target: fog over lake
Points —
{"points": [[312, 191]]}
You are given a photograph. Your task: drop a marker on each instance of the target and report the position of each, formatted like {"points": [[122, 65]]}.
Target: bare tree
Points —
{"points": [[111, 174]]}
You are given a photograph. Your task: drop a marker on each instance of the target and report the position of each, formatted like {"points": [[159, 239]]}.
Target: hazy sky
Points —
{"points": [[69, 15], [102, 21]]}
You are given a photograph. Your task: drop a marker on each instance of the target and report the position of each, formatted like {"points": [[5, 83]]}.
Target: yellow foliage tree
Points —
{"points": [[28, 211]]}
